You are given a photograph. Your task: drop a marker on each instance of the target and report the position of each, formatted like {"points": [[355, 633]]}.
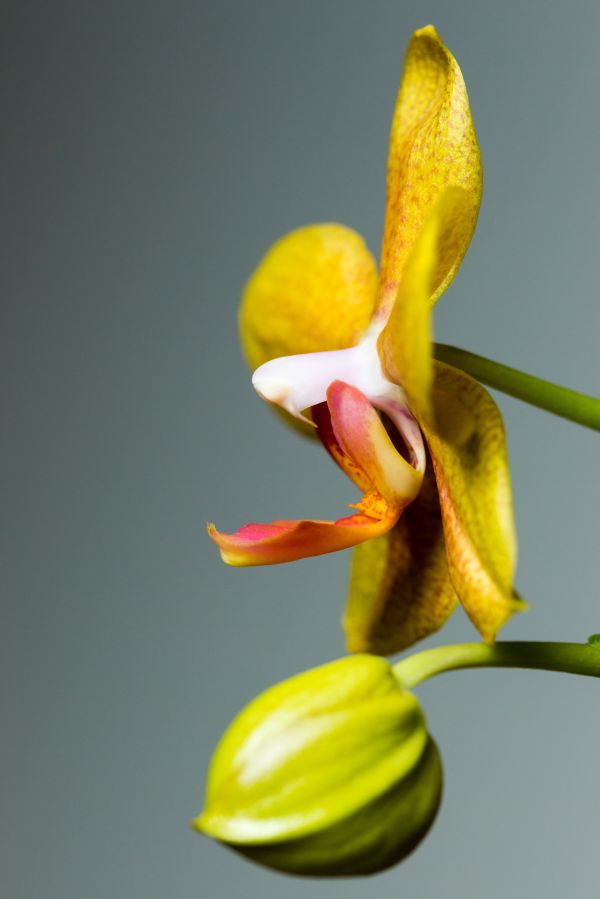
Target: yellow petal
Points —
{"points": [[432, 146], [400, 587], [471, 468], [314, 290], [405, 343]]}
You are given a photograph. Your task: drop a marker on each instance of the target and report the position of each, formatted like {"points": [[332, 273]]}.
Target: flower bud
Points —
{"points": [[330, 773]]}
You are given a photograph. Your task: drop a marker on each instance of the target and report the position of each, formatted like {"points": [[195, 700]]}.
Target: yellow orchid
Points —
{"points": [[350, 355]]}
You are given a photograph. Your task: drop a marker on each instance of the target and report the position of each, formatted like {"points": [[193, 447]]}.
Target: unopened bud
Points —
{"points": [[330, 773]]}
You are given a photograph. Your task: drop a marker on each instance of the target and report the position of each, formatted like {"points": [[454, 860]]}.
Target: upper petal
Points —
{"points": [[432, 146], [405, 344], [470, 462]]}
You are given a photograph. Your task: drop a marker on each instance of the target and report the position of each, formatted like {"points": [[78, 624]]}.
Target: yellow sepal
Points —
{"points": [[405, 344], [433, 146], [400, 588], [470, 462]]}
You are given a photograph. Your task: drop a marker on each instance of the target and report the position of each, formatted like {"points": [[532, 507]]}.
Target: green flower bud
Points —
{"points": [[331, 772]]}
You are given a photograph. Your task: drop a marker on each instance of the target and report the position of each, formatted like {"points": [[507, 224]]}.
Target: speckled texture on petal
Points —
{"points": [[405, 344], [400, 588], [432, 146], [470, 462], [355, 437], [314, 290]]}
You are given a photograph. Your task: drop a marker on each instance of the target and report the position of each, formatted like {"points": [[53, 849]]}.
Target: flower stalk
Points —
{"points": [[577, 407], [571, 658]]}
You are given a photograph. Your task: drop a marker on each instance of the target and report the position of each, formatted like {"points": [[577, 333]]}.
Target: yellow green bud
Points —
{"points": [[331, 772]]}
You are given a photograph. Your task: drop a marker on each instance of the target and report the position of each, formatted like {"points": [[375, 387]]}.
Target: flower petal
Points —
{"points": [[357, 440], [405, 345], [314, 290], [288, 541], [432, 146], [364, 440], [470, 462], [400, 587]]}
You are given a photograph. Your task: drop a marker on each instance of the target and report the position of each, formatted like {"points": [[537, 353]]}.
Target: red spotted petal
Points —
{"points": [[288, 541], [357, 440]]}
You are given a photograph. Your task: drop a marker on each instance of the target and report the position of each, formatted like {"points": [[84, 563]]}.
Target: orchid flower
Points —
{"points": [[350, 355]]}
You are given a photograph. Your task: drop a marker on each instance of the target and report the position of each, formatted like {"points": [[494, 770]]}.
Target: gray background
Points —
{"points": [[151, 153]]}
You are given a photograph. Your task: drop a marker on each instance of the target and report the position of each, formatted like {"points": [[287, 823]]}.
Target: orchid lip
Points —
{"points": [[298, 382]]}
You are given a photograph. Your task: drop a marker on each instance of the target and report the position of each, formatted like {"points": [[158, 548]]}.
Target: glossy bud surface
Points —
{"points": [[331, 772]]}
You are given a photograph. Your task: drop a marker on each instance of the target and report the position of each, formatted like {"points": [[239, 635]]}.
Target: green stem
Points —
{"points": [[577, 407], [572, 658]]}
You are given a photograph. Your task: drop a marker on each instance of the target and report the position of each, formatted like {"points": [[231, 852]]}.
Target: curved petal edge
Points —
{"points": [[470, 463]]}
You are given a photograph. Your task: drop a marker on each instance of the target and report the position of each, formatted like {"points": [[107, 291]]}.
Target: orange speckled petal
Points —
{"points": [[364, 440], [432, 147], [288, 541], [400, 588], [470, 462], [357, 440], [405, 344]]}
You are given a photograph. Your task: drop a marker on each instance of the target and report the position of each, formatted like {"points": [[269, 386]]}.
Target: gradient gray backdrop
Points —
{"points": [[151, 153]]}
